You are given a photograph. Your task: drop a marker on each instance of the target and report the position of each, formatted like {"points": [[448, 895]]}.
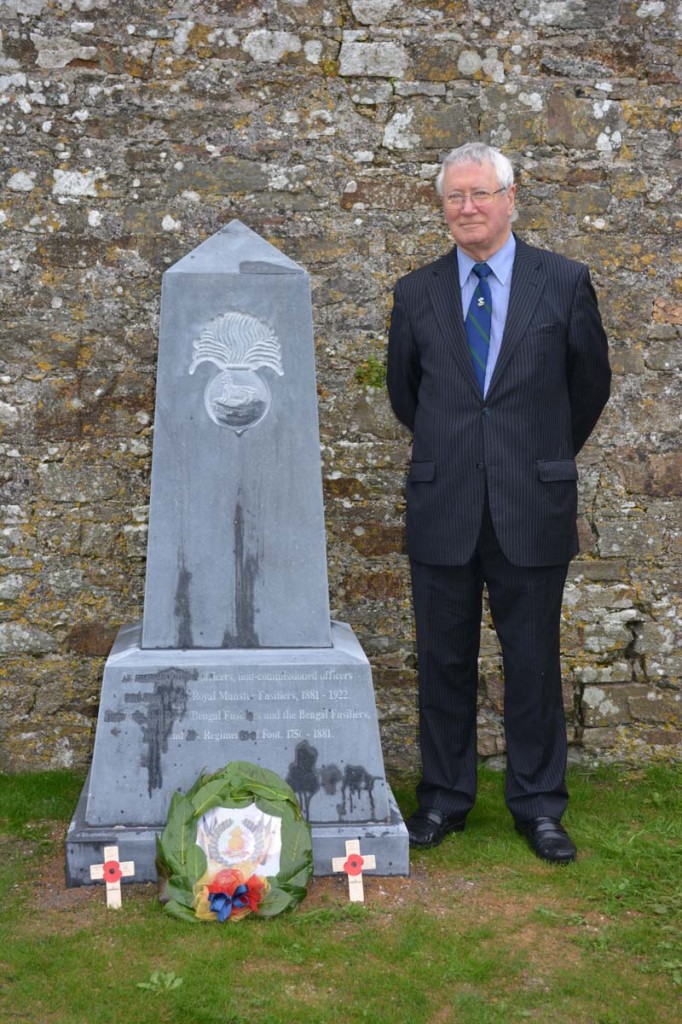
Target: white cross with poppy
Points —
{"points": [[112, 871], [354, 864]]}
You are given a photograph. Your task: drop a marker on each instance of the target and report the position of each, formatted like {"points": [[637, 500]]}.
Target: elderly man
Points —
{"points": [[498, 364]]}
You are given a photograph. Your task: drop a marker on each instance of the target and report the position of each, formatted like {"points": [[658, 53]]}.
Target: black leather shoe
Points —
{"points": [[548, 839], [428, 826]]}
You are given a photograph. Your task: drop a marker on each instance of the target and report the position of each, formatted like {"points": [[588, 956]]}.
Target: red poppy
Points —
{"points": [[112, 871], [354, 864]]}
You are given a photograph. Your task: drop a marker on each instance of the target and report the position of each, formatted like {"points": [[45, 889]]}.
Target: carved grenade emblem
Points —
{"points": [[239, 345]]}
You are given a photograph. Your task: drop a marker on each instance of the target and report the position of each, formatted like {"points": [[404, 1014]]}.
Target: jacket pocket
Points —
{"points": [[421, 472], [557, 469]]}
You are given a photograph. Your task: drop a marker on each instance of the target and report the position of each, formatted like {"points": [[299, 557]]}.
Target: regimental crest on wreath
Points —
{"points": [[239, 345], [241, 836]]}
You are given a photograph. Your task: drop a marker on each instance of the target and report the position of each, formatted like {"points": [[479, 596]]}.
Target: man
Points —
{"points": [[498, 364]]}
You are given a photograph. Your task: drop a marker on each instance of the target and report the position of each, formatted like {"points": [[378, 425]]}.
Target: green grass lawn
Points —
{"points": [[481, 932]]}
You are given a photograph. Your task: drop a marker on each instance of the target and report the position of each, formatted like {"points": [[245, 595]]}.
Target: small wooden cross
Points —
{"points": [[112, 871], [354, 864]]}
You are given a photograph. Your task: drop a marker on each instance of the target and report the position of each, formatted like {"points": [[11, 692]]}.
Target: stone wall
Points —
{"points": [[133, 129]]}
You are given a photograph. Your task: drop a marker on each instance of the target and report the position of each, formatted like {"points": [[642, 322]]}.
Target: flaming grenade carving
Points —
{"points": [[239, 345]]}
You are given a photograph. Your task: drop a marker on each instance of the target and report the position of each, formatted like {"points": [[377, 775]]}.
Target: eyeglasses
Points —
{"points": [[479, 197]]}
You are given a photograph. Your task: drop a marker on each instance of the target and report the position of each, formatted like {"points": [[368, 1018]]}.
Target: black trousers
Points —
{"points": [[525, 605]]}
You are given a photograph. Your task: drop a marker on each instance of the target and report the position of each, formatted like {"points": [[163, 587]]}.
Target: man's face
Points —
{"points": [[479, 230]]}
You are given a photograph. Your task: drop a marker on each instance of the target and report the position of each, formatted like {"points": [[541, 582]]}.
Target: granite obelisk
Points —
{"points": [[236, 657]]}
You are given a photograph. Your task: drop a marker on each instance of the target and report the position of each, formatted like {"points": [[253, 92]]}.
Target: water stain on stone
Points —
{"points": [[114, 716], [356, 781], [157, 715], [245, 573], [303, 776], [306, 779], [182, 609]]}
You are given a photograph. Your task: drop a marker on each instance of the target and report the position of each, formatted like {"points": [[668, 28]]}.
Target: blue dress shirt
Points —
{"points": [[501, 264]]}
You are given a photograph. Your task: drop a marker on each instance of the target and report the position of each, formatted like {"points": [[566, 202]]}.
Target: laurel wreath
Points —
{"points": [[181, 863]]}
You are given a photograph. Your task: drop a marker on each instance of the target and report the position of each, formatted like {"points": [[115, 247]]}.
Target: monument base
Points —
{"points": [[167, 716], [84, 844]]}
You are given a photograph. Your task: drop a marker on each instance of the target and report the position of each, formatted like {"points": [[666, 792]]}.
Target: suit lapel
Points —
{"points": [[528, 280], [446, 298]]}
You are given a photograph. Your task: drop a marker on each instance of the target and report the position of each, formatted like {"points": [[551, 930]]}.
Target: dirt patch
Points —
{"points": [[383, 892], [424, 887]]}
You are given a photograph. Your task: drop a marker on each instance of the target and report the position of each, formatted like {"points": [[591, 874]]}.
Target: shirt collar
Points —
{"points": [[501, 262]]}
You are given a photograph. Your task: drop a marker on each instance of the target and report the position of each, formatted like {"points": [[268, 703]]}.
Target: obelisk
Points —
{"points": [[236, 657]]}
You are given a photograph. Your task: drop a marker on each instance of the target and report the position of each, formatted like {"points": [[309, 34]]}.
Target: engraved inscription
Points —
{"points": [[260, 707], [239, 345]]}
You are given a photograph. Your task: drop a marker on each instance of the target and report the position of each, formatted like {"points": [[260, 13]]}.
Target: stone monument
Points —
{"points": [[236, 657]]}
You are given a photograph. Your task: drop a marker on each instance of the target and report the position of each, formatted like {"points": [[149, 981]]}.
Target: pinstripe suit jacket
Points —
{"points": [[550, 384]]}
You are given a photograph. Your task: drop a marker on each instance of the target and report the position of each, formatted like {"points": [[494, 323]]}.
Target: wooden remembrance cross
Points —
{"points": [[112, 871], [354, 864]]}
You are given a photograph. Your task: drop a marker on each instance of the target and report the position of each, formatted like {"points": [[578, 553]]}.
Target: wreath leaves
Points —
{"points": [[182, 863]]}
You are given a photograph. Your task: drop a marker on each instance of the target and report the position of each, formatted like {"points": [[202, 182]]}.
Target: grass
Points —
{"points": [[482, 932]]}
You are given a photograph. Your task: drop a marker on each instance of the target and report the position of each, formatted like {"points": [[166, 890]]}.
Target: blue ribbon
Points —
{"points": [[223, 905]]}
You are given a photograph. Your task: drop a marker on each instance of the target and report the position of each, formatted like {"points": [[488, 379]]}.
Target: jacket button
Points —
{"points": [[486, 411], [480, 465]]}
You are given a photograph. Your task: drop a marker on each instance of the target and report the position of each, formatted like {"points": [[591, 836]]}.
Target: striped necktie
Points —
{"points": [[478, 322]]}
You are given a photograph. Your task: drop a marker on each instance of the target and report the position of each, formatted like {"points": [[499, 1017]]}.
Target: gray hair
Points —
{"points": [[478, 153]]}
